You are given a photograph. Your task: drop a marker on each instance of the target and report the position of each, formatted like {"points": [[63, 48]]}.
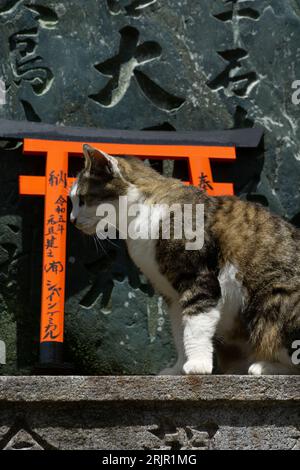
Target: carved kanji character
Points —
{"points": [[125, 65]]}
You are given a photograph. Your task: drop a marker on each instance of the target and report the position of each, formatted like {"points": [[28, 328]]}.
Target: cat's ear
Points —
{"points": [[99, 163]]}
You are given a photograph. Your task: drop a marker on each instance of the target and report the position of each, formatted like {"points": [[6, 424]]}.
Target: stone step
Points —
{"points": [[150, 412]]}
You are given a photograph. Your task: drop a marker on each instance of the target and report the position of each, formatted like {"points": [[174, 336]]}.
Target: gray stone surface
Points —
{"points": [[150, 388], [221, 412], [187, 65]]}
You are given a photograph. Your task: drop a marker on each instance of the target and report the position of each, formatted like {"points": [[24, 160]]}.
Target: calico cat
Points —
{"points": [[238, 296]]}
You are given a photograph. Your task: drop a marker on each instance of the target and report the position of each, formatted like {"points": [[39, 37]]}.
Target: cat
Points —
{"points": [[236, 299]]}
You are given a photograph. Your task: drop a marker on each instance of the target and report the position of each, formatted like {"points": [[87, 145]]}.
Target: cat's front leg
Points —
{"points": [[199, 330], [201, 315]]}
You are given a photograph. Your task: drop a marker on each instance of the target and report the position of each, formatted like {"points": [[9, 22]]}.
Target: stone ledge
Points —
{"points": [[148, 412], [149, 388]]}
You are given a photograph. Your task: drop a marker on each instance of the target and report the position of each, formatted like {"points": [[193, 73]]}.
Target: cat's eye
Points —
{"points": [[81, 200]]}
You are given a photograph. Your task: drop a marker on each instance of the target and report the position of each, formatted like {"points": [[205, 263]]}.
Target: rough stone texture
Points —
{"points": [[221, 412], [187, 65]]}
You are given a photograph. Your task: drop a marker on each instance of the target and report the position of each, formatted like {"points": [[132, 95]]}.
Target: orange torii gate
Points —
{"points": [[54, 186]]}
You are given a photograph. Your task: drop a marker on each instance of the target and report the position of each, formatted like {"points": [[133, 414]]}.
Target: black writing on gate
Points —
{"points": [[56, 179], [54, 229]]}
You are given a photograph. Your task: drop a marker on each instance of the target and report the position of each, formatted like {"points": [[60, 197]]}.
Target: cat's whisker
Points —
{"points": [[113, 244], [108, 239], [102, 246], [123, 233], [98, 243]]}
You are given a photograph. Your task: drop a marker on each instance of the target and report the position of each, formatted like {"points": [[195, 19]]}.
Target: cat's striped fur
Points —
{"points": [[238, 296]]}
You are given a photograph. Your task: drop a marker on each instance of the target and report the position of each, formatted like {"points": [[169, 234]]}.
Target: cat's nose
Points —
{"points": [[73, 219]]}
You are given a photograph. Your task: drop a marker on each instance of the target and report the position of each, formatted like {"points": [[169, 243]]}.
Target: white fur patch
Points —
{"points": [[271, 368], [75, 201], [198, 333], [233, 298], [143, 252], [86, 219], [114, 164]]}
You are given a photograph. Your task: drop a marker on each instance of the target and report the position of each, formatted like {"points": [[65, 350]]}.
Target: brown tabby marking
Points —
{"points": [[261, 249]]}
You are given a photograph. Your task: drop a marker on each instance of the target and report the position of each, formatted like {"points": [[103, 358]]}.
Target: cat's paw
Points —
{"points": [[269, 368], [198, 366], [256, 369]]}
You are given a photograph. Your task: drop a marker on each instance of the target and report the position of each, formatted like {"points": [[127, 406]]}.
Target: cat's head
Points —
{"points": [[100, 181]]}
